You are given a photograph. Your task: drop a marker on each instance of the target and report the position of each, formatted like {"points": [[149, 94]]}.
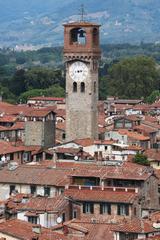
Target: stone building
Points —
{"points": [[81, 55], [40, 128]]}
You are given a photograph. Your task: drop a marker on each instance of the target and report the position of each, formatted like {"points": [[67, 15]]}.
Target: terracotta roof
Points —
{"points": [[38, 113], [37, 204], [156, 104], [73, 151], [145, 129], [84, 142], [16, 126], [150, 119], [124, 101], [121, 107], [126, 171], [153, 154], [133, 117], [8, 147], [40, 98], [133, 135], [60, 113], [90, 230], [136, 226], [23, 230], [155, 216], [97, 194], [35, 174], [8, 118]]}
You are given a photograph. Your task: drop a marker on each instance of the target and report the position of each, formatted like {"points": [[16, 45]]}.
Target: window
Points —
{"points": [[82, 87], [11, 156], [74, 87], [33, 189], [123, 210], [88, 208], [63, 136], [33, 219], [105, 208], [63, 217], [106, 148], [135, 211], [12, 189], [94, 87], [47, 191], [75, 214]]}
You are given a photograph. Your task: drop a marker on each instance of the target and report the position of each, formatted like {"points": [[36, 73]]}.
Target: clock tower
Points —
{"points": [[81, 56]]}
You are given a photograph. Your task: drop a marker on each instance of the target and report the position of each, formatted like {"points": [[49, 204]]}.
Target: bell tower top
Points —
{"points": [[81, 40]]}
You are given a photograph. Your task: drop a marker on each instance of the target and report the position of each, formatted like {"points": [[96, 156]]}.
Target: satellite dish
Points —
{"points": [[76, 158], [59, 220]]}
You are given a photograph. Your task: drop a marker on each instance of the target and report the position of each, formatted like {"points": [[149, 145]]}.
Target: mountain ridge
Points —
{"points": [[40, 23]]}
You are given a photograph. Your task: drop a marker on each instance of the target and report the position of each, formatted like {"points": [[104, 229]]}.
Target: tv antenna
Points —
{"points": [[82, 13]]}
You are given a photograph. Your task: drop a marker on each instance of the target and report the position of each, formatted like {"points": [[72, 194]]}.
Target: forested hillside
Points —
{"points": [[127, 71]]}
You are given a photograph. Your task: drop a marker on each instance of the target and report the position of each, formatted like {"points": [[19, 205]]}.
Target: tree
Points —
{"points": [[153, 96], [103, 88], [41, 77], [53, 91], [141, 159], [17, 83], [30, 93], [7, 95], [133, 77]]}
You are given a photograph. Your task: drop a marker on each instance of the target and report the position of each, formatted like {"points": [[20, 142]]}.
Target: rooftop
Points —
{"points": [[23, 230], [98, 194], [35, 174]]}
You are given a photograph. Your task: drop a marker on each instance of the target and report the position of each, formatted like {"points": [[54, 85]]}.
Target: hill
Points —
{"points": [[40, 22]]}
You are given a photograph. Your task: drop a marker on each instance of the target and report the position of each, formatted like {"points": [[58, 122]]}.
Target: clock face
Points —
{"points": [[78, 71]]}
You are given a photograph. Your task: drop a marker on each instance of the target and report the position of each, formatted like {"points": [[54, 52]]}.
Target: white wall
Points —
{"points": [[5, 190]]}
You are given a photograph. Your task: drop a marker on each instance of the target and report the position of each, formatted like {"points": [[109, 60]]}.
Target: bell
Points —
{"points": [[81, 34]]}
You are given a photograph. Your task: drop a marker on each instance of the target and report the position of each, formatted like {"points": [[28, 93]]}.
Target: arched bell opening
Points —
{"points": [[78, 36]]}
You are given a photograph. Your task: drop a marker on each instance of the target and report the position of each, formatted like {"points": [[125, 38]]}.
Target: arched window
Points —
{"points": [[78, 36], [74, 87], [82, 87]]}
